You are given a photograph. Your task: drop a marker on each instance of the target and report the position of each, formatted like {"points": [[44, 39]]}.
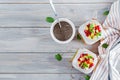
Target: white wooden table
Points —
{"points": [[26, 47]]}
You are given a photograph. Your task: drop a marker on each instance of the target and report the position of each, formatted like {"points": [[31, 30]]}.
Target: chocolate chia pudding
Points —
{"points": [[64, 32]]}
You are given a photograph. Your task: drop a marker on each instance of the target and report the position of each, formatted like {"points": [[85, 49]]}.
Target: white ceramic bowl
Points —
{"points": [[86, 39], [69, 22], [75, 60]]}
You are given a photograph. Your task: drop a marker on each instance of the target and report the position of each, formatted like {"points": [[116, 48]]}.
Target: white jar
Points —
{"points": [[85, 38], [77, 55]]}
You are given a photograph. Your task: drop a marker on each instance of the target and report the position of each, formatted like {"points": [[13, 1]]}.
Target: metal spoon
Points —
{"points": [[56, 15], [55, 12]]}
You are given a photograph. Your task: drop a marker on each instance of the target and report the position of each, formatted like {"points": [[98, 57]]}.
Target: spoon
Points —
{"points": [[56, 15], [55, 12]]}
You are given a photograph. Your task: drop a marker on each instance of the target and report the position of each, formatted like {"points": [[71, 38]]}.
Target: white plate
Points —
{"points": [[75, 60]]}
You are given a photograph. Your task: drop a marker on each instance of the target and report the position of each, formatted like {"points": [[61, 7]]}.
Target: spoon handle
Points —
{"points": [[55, 12], [53, 7]]}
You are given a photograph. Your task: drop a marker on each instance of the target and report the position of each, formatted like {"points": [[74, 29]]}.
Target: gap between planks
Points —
{"points": [[28, 27], [34, 53], [38, 73], [56, 3]]}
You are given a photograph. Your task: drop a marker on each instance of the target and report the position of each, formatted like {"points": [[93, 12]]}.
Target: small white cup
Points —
{"points": [[52, 33]]}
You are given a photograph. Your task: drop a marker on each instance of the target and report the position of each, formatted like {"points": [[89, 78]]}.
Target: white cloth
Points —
{"points": [[106, 69], [114, 57]]}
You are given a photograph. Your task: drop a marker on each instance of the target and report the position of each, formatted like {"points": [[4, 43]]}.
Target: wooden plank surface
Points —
{"points": [[42, 76], [56, 1], [33, 15], [35, 40], [37, 63]]}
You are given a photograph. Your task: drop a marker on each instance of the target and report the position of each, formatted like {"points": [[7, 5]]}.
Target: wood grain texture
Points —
{"points": [[33, 15], [26, 47], [56, 1], [35, 40], [42, 77], [37, 63]]}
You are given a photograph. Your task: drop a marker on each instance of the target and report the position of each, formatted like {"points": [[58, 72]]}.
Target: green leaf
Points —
{"points": [[105, 45], [50, 19], [106, 13], [58, 57], [78, 37], [87, 77]]}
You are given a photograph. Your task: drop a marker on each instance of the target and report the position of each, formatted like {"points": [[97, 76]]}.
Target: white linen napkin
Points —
{"points": [[106, 69]]}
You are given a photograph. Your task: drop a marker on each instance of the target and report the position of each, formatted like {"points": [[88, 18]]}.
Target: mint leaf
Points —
{"points": [[105, 45], [87, 77], [78, 37], [58, 57], [50, 19], [106, 13]]}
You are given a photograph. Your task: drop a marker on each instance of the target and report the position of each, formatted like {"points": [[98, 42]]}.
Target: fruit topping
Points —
{"points": [[92, 30], [85, 61]]}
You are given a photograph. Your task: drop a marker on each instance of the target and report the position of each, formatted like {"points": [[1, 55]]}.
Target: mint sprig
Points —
{"points": [[78, 37], [105, 45], [50, 19], [87, 77], [106, 13], [58, 57]]}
